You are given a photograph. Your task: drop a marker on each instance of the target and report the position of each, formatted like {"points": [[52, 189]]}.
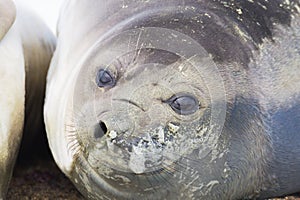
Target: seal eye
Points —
{"points": [[104, 78], [183, 104]]}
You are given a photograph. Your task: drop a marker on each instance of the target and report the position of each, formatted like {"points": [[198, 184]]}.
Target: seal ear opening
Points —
{"points": [[7, 16]]}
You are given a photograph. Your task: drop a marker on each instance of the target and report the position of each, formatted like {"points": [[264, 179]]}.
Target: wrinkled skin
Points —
{"points": [[177, 99], [26, 47]]}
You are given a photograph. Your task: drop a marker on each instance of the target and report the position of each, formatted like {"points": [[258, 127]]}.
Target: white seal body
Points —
{"points": [[26, 46]]}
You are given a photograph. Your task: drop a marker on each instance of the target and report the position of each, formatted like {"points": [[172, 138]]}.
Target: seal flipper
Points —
{"points": [[7, 16]]}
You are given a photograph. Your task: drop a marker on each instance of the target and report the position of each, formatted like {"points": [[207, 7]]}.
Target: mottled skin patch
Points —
{"points": [[242, 55]]}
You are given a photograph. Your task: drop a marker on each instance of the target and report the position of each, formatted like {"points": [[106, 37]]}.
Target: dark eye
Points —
{"points": [[183, 104], [104, 78]]}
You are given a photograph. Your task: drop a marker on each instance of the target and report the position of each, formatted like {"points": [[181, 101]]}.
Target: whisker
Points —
{"points": [[162, 178]]}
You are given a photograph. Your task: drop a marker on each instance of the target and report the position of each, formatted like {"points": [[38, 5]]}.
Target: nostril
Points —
{"points": [[103, 126], [100, 130]]}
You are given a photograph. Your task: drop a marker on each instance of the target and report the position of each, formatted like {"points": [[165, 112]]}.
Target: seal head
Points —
{"points": [[161, 100]]}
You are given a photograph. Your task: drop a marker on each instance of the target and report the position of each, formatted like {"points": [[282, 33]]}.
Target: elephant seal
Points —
{"points": [[26, 47], [177, 99]]}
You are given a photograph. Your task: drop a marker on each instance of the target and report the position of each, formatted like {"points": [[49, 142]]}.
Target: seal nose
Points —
{"points": [[100, 130]]}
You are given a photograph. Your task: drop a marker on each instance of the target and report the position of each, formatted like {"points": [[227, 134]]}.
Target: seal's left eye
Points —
{"points": [[183, 104], [104, 78]]}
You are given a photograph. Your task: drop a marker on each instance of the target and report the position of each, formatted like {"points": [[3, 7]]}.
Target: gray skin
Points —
{"points": [[26, 47], [177, 99]]}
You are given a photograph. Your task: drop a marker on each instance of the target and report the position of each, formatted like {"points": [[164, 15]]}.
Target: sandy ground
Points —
{"points": [[36, 177], [43, 180]]}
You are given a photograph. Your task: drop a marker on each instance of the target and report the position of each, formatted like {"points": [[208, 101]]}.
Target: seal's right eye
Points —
{"points": [[183, 104], [105, 79]]}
